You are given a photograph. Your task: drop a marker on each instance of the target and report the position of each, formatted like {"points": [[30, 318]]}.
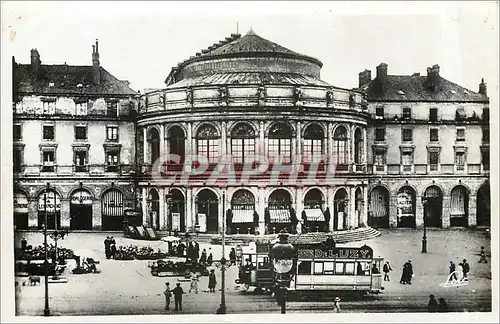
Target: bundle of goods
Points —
{"points": [[134, 252]]}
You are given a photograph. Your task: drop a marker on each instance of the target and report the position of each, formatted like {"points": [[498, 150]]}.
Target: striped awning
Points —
{"points": [[280, 215], [242, 215], [314, 215]]}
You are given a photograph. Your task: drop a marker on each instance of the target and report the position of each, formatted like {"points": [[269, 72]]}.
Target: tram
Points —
{"points": [[318, 267]]}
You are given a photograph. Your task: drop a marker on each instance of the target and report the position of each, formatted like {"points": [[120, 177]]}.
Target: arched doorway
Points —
{"points": [[459, 207], [112, 210], [154, 144], [80, 210], [313, 217], [358, 206], [434, 207], [207, 217], [49, 202], [154, 209], [176, 141], [176, 215], [483, 207], [280, 212], [20, 210], [406, 207], [378, 216], [340, 210], [243, 212]]}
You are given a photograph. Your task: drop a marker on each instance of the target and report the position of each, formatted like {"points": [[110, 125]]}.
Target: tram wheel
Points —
{"points": [[258, 291]]}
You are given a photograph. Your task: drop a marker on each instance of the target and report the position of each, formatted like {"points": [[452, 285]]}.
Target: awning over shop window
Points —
{"points": [[314, 215], [280, 215], [242, 215]]}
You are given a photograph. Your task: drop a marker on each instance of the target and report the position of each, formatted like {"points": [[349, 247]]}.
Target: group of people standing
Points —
{"points": [[110, 247]]}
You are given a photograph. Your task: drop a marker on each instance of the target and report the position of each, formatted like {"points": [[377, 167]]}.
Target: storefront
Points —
{"points": [[378, 216], [112, 207], [20, 210], [49, 206], [406, 207], [80, 210]]}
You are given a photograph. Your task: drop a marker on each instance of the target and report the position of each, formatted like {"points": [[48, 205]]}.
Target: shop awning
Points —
{"points": [[279, 215], [242, 215], [314, 215]]}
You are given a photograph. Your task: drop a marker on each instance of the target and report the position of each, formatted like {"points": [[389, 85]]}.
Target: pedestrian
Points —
{"points": [[203, 258], [336, 305], [410, 272], [196, 255], [465, 269], [404, 274], [113, 247], [432, 306], [482, 255], [190, 251], [232, 256], [24, 244], [442, 307], [180, 249], [452, 271], [212, 281], [210, 259], [178, 297], [386, 269], [167, 294], [239, 253], [194, 282], [107, 249]]}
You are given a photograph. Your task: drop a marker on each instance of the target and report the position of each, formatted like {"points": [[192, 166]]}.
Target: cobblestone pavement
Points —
{"points": [[127, 287]]}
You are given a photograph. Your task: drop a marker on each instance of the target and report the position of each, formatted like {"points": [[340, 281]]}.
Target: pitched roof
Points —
{"points": [[416, 88], [68, 79]]}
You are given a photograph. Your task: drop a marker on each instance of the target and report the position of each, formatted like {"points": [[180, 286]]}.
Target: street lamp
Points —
{"points": [[424, 237], [222, 308], [46, 310], [169, 211], [283, 255]]}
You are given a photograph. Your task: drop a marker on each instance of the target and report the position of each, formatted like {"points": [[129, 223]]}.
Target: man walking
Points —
{"points": [[452, 271], [167, 294], [465, 268], [386, 269], [178, 297]]}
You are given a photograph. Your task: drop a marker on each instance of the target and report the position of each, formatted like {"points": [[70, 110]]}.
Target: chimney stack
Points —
{"points": [[382, 73], [365, 77], [482, 88], [95, 63], [433, 76], [36, 63]]}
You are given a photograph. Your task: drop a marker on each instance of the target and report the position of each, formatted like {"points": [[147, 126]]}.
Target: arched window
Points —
{"points": [[313, 143], [280, 141], [340, 150], [176, 140], [154, 144], [358, 147], [242, 142], [207, 142]]}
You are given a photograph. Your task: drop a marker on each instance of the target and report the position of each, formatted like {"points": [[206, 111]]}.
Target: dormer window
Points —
{"points": [[406, 113], [379, 113], [112, 109], [433, 114], [460, 114]]}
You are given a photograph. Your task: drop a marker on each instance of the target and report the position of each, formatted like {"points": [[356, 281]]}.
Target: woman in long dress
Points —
{"points": [[212, 281]]}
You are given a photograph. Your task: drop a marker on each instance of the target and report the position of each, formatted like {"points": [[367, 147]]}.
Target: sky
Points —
{"points": [[142, 41]]}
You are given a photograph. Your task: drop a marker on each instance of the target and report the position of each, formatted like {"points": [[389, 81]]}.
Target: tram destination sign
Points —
{"points": [[337, 253]]}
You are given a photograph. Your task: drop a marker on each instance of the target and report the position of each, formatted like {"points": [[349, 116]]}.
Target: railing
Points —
{"points": [[423, 169], [71, 170]]}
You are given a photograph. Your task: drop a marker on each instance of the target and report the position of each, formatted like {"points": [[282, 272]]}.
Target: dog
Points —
{"points": [[33, 280]]}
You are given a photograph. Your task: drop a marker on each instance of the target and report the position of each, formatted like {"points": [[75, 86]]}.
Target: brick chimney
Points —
{"points": [[433, 76], [482, 88], [36, 63], [382, 73], [96, 71], [365, 77]]}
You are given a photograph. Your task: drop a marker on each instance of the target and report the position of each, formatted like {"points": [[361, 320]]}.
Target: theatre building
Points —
{"points": [[73, 145], [428, 151], [249, 96]]}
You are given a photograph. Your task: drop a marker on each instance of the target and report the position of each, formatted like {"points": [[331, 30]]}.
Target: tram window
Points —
{"points": [[328, 268], [339, 268], [304, 268], [363, 269], [263, 261], [318, 267], [349, 268]]}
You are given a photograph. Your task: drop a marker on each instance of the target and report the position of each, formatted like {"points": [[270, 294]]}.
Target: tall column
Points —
{"points": [[393, 211], [329, 201], [65, 216], [329, 149], [223, 139], [262, 146], [145, 144], [189, 209], [261, 206], [350, 148], [299, 207], [365, 149], [364, 216], [472, 219], [163, 149], [419, 211], [162, 210], [145, 218], [188, 141], [445, 214], [299, 138], [352, 208], [33, 212], [221, 209], [294, 143], [96, 215]]}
